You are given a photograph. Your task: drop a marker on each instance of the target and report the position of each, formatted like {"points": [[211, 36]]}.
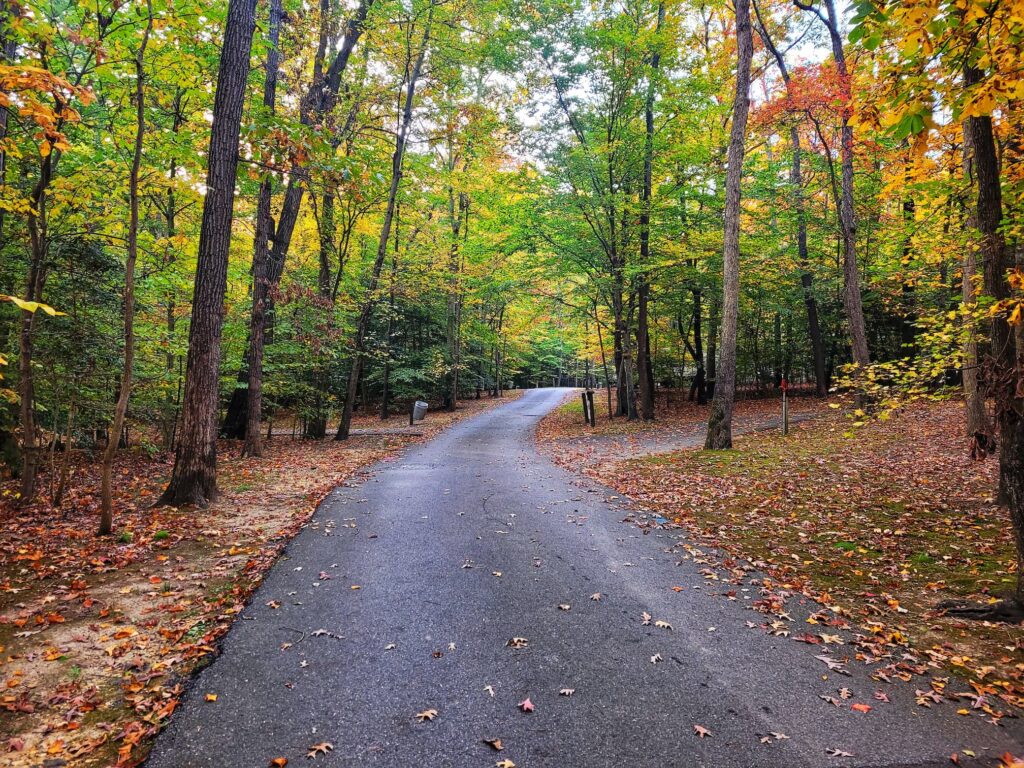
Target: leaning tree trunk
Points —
{"points": [[720, 422], [121, 409], [194, 478]]}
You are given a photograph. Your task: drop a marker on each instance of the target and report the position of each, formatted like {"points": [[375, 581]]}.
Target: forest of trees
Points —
{"points": [[212, 213]]}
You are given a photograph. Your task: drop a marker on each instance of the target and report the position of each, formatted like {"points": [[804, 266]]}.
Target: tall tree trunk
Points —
{"points": [[714, 330], [978, 425], [852, 302], [39, 251], [386, 387], [643, 341], [803, 258], [456, 211], [720, 422], [1004, 366], [8, 50], [618, 339], [128, 297], [261, 256], [699, 386], [194, 478], [397, 160], [315, 104]]}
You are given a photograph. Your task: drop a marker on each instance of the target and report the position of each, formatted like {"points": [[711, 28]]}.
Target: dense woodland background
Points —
{"points": [[442, 198]]}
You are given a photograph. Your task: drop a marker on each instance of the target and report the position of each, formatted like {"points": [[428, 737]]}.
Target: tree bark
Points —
{"points": [[1004, 366], [128, 297], [194, 478], [978, 425], [720, 422], [261, 256]]}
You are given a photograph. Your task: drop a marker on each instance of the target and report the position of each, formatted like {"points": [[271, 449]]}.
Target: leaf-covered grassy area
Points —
{"points": [[881, 522], [98, 634]]}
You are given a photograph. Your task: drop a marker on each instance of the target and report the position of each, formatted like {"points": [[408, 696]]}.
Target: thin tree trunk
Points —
{"points": [[643, 341], [128, 299], [261, 257], [397, 159], [720, 422], [713, 331], [797, 182], [194, 478], [848, 222]]}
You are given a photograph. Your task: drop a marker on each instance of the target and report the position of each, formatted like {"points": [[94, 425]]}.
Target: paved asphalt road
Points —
{"points": [[424, 537]]}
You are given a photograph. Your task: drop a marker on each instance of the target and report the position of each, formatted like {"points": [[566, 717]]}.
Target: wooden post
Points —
{"points": [[784, 386], [586, 408], [412, 412], [593, 415]]}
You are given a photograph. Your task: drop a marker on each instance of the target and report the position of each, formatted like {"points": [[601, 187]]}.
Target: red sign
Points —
{"points": [[784, 385]]}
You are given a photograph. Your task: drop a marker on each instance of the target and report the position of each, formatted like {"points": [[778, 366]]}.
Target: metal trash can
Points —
{"points": [[419, 410]]}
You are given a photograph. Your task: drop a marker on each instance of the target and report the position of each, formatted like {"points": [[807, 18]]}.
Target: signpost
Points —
{"points": [[589, 417]]}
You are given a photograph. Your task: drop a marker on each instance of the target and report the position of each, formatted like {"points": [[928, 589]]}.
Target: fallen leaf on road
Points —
{"points": [[494, 744], [596, 596], [505, 764], [645, 618], [518, 642], [489, 689], [322, 748], [837, 753], [861, 707], [663, 625], [279, 762], [211, 697], [779, 736], [833, 665], [567, 692], [564, 607], [526, 705], [701, 731], [656, 658], [427, 714]]}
